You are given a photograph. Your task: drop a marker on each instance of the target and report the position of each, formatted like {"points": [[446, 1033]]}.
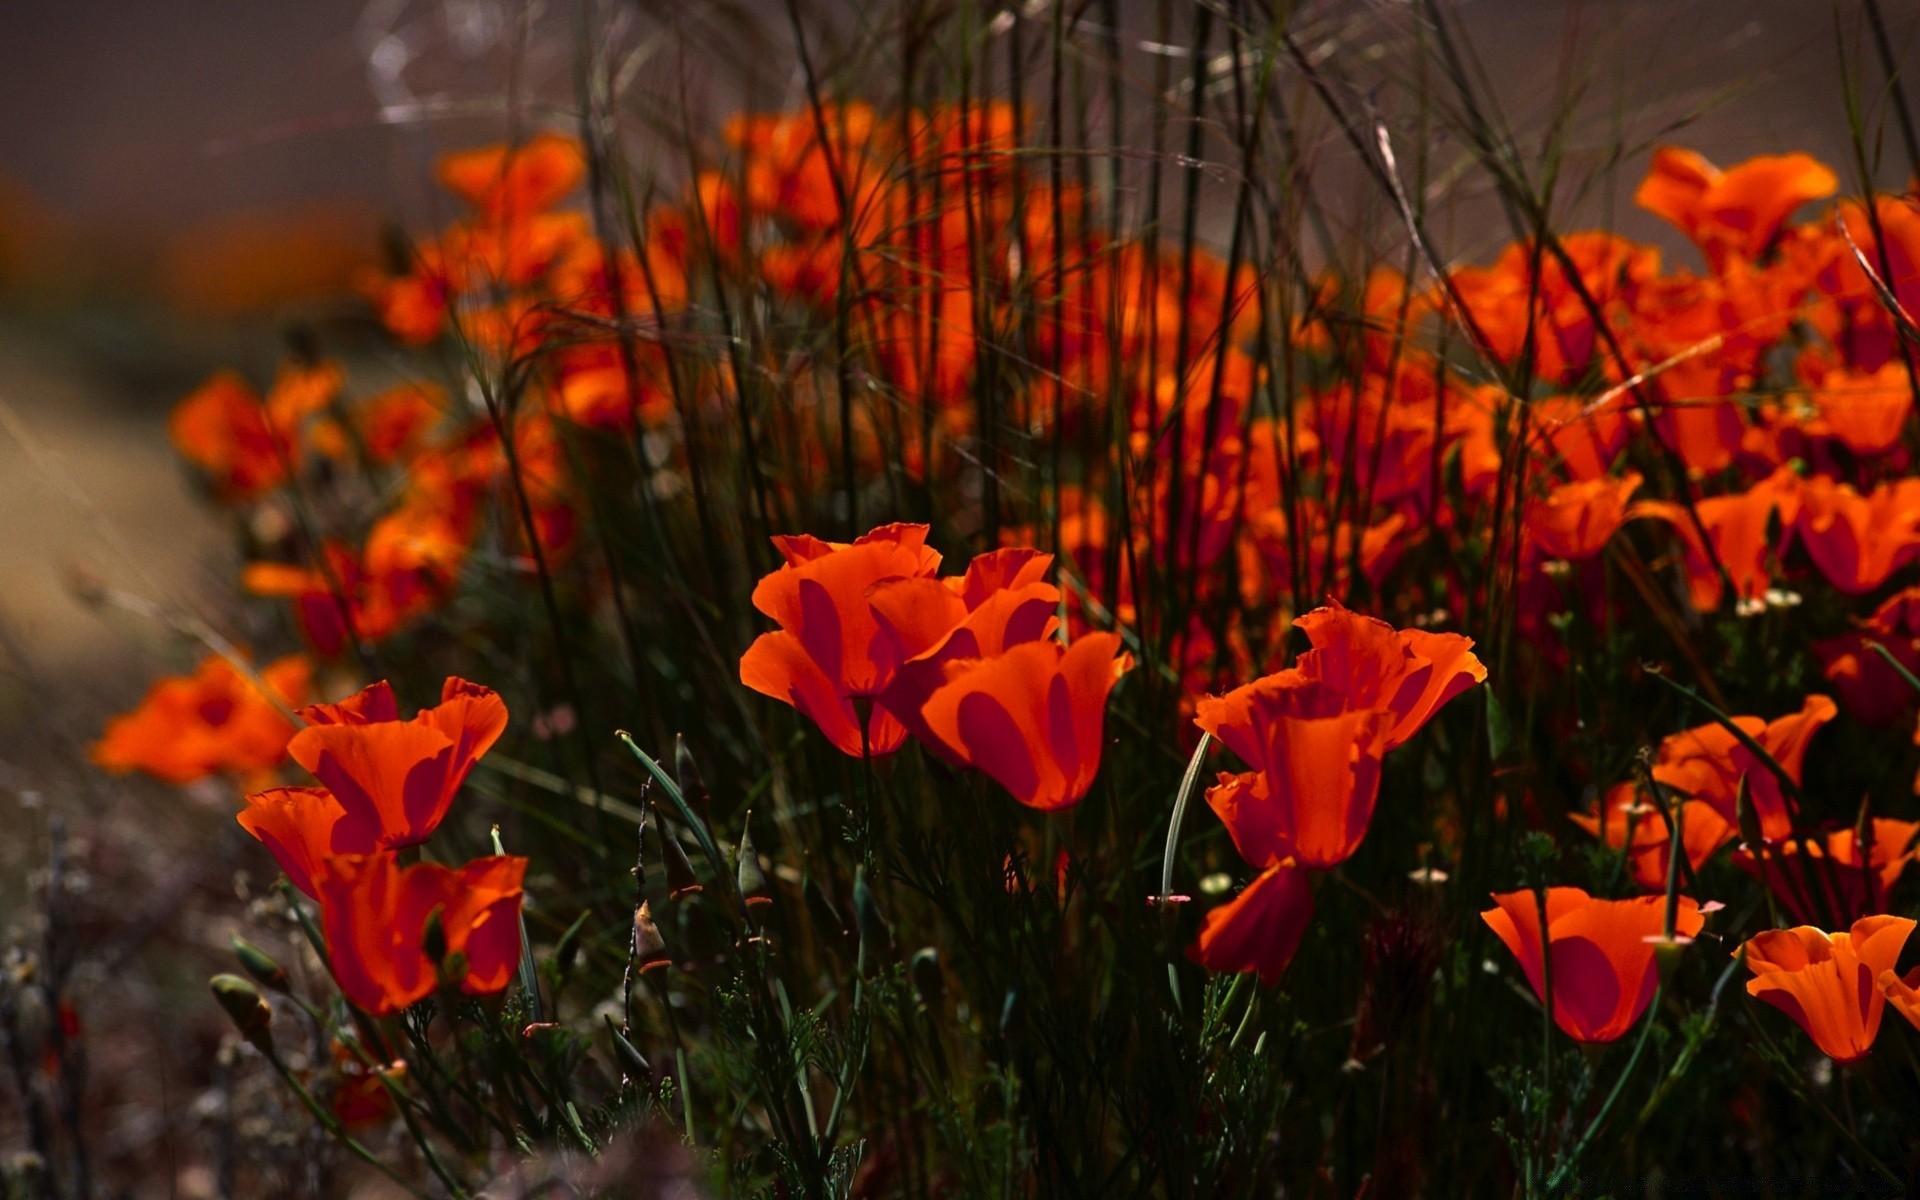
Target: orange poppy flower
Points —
{"points": [[246, 444], [1738, 526], [1002, 601], [1585, 439], [506, 182], [302, 827], [1033, 718], [1411, 673], [396, 779], [1602, 953], [1707, 762], [1865, 411], [1624, 820], [1316, 775], [830, 649], [1736, 211], [1259, 929], [374, 913], [1829, 983], [1809, 875], [1869, 687], [215, 720], [1574, 520], [1858, 541]]}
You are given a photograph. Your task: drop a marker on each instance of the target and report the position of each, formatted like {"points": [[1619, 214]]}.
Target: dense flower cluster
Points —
{"points": [[1575, 439]]}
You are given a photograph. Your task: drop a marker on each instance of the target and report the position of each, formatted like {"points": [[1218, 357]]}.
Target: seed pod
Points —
{"points": [[681, 880], [259, 964], [687, 772], [649, 948], [632, 1063], [752, 880], [247, 1008]]}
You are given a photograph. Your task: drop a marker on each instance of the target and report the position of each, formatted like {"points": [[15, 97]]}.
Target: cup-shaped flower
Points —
{"points": [[1317, 770], [1033, 718], [1626, 821], [1601, 951], [396, 779], [1737, 211], [375, 914], [1810, 875], [1829, 983], [830, 650], [1259, 929], [302, 827], [1708, 762], [1574, 520], [1002, 601], [1408, 672], [1858, 541]]}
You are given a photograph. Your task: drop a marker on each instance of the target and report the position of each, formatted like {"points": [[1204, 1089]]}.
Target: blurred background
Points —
{"points": [[183, 180]]}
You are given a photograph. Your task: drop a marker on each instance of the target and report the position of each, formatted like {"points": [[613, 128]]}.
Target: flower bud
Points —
{"points": [[246, 1007], [258, 964], [752, 880], [633, 1064], [649, 948], [681, 880]]}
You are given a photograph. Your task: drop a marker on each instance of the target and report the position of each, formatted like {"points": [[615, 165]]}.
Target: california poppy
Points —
{"points": [[1574, 520], [1824, 872], [396, 779], [1625, 820], [245, 443], [1829, 983], [1708, 762], [1411, 673], [375, 914], [1259, 929], [1858, 541], [1316, 770], [1737, 528], [1868, 685], [302, 827], [1033, 718], [830, 649], [191, 726], [1737, 211], [505, 181], [1602, 953], [1002, 601]]}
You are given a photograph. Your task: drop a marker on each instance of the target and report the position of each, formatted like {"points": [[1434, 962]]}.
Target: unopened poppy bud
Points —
{"points": [[929, 980], [433, 939], [687, 772], [875, 937], [247, 1008], [259, 964], [632, 1063], [681, 881], [567, 949], [649, 948], [1748, 819], [752, 880]]}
